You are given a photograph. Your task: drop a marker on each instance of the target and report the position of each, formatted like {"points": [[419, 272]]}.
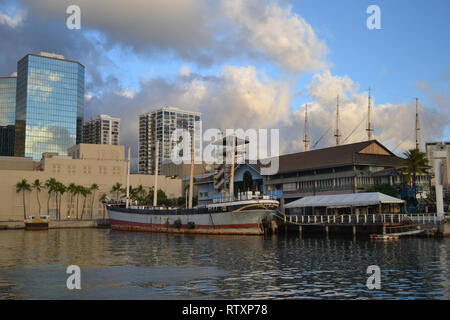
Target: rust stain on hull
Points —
{"points": [[123, 227]]}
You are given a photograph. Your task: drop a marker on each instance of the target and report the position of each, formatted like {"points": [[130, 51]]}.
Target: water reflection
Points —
{"points": [[122, 265]]}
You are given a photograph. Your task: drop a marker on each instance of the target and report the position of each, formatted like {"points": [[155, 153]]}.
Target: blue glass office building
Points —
{"points": [[49, 105], [7, 115]]}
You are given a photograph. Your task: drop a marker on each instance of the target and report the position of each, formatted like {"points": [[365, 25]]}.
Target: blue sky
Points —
{"points": [[237, 60]]}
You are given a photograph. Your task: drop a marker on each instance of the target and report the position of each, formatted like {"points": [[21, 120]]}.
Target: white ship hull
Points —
{"points": [[239, 217]]}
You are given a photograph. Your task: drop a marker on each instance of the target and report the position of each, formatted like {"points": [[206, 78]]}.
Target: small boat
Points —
{"points": [[383, 237], [33, 223]]}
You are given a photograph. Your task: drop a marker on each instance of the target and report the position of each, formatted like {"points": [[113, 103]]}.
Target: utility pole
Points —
{"points": [[369, 121], [306, 140], [338, 134], [417, 124], [155, 187]]}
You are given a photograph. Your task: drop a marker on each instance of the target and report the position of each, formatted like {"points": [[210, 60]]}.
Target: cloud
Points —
{"points": [[12, 22], [278, 34], [239, 97], [201, 31], [393, 123]]}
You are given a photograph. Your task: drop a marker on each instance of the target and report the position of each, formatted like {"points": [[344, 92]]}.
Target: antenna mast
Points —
{"points": [[338, 134], [306, 140], [417, 124], [369, 121]]}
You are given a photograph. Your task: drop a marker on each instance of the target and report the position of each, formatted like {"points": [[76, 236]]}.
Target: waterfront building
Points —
{"points": [[83, 164], [49, 105], [159, 125], [102, 129], [350, 168], [7, 114]]}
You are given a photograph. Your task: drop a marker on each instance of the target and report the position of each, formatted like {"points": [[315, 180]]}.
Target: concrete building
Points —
{"points": [[84, 165], [7, 114], [102, 129], [440, 146], [159, 125], [49, 105]]}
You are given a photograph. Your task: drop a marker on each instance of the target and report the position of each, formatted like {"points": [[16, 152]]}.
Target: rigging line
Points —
{"points": [[401, 142], [317, 142], [353, 131]]}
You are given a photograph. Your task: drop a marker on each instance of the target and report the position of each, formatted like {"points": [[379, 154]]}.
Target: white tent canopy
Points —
{"points": [[345, 200]]}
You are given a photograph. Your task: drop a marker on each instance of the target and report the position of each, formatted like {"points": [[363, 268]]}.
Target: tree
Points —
{"points": [[384, 188], [38, 185], [50, 184], [102, 199], [116, 189], [77, 194], [23, 186], [84, 192], [416, 162], [72, 190], [60, 189], [94, 187]]}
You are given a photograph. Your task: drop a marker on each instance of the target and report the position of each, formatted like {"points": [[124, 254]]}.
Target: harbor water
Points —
{"points": [[134, 265]]}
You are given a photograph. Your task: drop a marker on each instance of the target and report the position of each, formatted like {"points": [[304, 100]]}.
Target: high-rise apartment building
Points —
{"points": [[102, 129], [49, 105], [7, 114], [159, 125]]}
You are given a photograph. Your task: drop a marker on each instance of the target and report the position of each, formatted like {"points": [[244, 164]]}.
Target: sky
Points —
{"points": [[252, 63]]}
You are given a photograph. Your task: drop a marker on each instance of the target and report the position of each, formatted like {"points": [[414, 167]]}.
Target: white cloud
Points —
{"points": [[278, 33], [201, 31], [185, 71], [12, 21]]}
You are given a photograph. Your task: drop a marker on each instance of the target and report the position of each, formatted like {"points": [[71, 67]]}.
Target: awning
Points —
{"points": [[345, 200]]}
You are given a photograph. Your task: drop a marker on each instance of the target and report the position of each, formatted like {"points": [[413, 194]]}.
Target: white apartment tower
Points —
{"points": [[102, 129], [159, 125]]}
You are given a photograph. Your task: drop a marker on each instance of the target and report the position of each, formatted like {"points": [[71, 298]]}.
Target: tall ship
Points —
{"points": [[238, 215], [242, 217]]}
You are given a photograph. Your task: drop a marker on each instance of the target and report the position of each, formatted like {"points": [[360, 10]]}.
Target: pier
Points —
{"points": [[431, 224]]}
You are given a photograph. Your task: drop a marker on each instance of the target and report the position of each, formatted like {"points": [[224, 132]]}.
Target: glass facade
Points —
{"points": [[50, 106], [7, 115]]}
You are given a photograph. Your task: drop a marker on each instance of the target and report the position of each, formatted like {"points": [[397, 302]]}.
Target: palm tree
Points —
{"points": [[23, 186], [61, 189], [38, 185], [84, 192], [101, 199], [77, 194], [71, 189], [117, 189], [94, 187], [416, 162], [50, 185]]}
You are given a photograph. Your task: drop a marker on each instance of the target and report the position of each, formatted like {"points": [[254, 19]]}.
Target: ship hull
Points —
{"points": [[241, 222]]}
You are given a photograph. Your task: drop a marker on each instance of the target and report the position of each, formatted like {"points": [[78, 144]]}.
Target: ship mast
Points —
{"points": [[338, 134], [232, 169], [417, 124], [155, 187], [191, 178], [369, 121], [128, 177], [306, 139]]}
